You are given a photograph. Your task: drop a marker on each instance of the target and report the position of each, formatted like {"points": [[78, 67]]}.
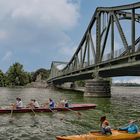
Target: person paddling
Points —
{"points": [[131, 127], [51, 103], [18, 104], [33, 104], [105, 128], [63, 103], [66, 104]]}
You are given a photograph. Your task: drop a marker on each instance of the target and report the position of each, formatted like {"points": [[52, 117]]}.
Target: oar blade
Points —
{"points": [[79, 113]]}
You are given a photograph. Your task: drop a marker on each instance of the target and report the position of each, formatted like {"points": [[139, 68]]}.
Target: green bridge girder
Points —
{"points": [[94, 57]]}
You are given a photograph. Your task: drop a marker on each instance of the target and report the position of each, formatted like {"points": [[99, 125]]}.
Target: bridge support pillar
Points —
{"points": [[97, 88]]}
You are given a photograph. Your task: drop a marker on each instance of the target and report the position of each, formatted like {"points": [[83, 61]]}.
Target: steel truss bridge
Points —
{"points": [[98, 54]]}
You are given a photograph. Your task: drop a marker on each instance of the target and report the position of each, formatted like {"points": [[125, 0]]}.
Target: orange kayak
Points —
{"points": [[116, 135]]}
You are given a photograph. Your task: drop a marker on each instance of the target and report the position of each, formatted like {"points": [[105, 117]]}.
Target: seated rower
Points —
{"points": [[105, 128], [51, 103], [18, 104], [33, 104], [66, 104], [63, 103], [131, 127], [45, 105]]}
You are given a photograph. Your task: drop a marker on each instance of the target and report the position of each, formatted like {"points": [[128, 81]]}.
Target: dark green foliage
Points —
{"points": [[16, 76], [2, 79], [43, 72], [127, 84]]}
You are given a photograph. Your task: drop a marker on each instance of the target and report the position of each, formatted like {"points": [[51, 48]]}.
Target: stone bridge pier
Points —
{"points": [[97, 88]]}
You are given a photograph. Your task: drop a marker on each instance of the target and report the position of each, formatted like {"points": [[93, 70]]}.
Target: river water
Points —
{"points": [[121, 107]]}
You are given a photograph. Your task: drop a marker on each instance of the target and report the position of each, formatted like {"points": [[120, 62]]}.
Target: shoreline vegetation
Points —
{"points": [[16, 76], [126, 84]]}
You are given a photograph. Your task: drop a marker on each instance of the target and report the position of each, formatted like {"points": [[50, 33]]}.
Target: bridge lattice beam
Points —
{"points": [[93, 48]]}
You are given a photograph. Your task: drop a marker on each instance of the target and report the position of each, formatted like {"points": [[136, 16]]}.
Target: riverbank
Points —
{"points": [[114, 89], [37, 84]]}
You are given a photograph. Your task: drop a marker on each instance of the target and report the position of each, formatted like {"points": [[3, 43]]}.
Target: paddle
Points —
{"points": [[58, 115], [33, 111], [137, 120], [126, 126], [30, 106], [11, 115], [52, 110], [78, 113]]}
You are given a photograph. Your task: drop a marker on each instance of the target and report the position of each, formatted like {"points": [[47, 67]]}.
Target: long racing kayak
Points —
{"points": [[116, 135], [73, 107]]}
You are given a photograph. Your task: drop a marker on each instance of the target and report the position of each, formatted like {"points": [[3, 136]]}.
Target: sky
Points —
{"points": [[37, 32]]}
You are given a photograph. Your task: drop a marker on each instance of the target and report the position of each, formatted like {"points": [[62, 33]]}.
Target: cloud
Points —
{"points": [[61, 66], [3, 35], [7, 56], [36, 29], [42, 13], [45, 21], [68, 51]]}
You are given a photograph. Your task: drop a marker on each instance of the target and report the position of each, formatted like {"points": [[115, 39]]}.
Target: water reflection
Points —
{"points": [[122, 106]]}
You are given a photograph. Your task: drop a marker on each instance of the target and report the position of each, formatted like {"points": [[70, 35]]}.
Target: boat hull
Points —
{"points": [[73, 107], [116, 135]]}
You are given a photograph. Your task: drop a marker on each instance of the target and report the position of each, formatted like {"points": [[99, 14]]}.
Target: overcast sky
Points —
{"points": [[37, 32]]}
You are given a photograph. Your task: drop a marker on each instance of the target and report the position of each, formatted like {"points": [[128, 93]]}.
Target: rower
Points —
{"points": [[19, 103], [64, 103], [61, 103], [51, 103], [131, 128], [105, 128], [33, 104]]}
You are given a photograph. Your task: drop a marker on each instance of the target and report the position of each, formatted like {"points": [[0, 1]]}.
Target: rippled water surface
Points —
{"points": [[121, 107]]}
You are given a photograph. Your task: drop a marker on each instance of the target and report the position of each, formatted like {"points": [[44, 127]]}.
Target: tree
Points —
{"points": [[16, 75], [43, 72], [2, 79]]}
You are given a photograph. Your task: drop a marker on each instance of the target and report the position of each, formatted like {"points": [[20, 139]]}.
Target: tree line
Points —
{"points": [[127, 84], [17, 76]]}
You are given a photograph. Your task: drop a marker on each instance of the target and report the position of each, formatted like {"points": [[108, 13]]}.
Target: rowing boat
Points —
{"points": [[74, 107], [116, 135]]}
